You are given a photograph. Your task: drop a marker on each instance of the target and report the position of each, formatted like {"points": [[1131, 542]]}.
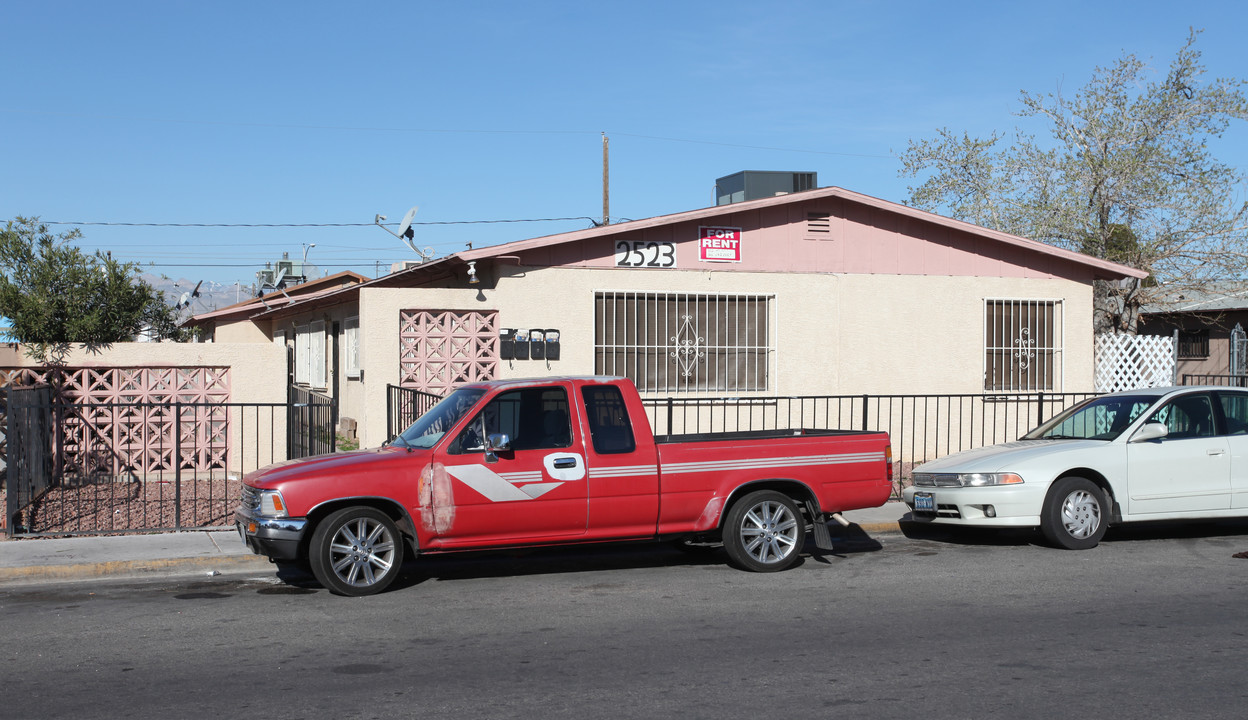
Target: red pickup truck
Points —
{"points": [[556, 461]]}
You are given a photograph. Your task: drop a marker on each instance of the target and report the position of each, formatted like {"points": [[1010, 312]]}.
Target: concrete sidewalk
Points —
{"points": [[207, 553]]}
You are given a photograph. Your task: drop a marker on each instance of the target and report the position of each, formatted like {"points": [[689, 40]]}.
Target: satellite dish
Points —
{"points": [[405, 227]]}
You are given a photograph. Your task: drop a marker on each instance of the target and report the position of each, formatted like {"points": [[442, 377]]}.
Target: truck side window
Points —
{"points": [[534, 419], [608, 420]]}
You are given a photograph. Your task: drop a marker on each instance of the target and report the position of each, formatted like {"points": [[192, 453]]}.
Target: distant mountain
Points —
{"points": [[212, 295]]}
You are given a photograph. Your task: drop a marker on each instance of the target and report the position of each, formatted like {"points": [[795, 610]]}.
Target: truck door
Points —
{"points": [[623, 468], [532, 490]]}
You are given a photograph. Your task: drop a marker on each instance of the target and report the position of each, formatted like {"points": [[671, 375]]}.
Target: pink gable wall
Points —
{"points": [[861, 239]]}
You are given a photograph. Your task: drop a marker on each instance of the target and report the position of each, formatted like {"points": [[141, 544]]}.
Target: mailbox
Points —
{"points": [[507, 344]]}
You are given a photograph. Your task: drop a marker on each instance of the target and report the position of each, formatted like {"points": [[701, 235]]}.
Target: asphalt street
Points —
{"points": [[937, 624]]}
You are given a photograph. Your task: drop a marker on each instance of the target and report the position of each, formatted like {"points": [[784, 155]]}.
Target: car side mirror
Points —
{"points": [[497, 442], [1150, 431]]}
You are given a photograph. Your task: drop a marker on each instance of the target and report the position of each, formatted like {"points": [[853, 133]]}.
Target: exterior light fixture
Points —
{"points": [[472, 272]]}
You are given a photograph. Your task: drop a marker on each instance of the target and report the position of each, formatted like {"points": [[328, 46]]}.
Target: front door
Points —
{"points": [[535, 490], [1189, 470]]}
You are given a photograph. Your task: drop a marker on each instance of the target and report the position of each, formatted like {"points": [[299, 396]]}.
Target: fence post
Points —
{"points": [[865, 400], [177, 464], [669, 417], [1040, 411]]}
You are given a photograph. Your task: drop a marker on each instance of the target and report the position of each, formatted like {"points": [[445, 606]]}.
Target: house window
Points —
{"points": [[1194, 344], [351, 346], [310, 354], [1022, 345], [684, 342]]}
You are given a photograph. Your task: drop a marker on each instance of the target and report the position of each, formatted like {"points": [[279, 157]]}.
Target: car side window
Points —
{"points": [[533, 418], [1187, 416], [609, 427], [1235, 411]]}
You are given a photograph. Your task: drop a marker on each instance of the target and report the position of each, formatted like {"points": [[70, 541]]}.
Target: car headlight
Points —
{"points": [[984, 479], [966, 479], [271, 503]]}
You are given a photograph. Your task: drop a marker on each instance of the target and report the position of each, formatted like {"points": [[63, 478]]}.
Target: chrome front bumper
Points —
{"points": [[276, 537]]}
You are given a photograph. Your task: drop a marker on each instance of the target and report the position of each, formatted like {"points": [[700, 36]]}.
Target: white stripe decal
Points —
{"points": [[625, 471], [487, 482], [758, 463]]}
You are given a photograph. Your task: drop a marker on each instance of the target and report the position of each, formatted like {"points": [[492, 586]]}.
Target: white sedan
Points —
{"points": [[1151, 454]]}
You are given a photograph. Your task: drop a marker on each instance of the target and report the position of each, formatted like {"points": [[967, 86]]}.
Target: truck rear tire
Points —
{"points": [[764, 532], [356, 551]]}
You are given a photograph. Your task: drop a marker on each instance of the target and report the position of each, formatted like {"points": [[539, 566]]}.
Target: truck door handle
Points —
{"points": [[567, 462], [1210, 451]]}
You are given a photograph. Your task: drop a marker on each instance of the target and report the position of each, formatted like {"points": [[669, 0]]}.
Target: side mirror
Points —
{"points": [[497, 442], [1150, 431]]}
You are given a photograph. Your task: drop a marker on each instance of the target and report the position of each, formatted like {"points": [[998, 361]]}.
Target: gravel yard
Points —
{"points": [[110, 506]]}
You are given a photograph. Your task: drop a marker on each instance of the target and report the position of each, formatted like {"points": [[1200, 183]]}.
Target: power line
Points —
{"points": [[304, 225]]}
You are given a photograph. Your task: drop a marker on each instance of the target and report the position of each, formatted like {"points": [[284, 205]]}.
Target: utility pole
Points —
{"points": [[606, 181]]}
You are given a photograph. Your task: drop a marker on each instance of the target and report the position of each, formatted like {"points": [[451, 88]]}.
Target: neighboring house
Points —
{"points": [[1210, 329], [821, 292]]}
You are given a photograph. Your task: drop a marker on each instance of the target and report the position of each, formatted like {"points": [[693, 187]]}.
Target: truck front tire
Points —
{"points": [[356, 551], [764, 532]]}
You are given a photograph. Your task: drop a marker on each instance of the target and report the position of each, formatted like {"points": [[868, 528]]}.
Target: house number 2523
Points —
{"points": [[640, 253]]}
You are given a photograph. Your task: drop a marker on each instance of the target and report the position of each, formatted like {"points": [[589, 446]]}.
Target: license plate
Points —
{"points": [[924, 502]]}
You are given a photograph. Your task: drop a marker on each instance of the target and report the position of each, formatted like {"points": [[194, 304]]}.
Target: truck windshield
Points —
{"points": [[1102, 418], [430, 427]]}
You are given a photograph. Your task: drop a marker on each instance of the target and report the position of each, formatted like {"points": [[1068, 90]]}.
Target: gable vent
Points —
{"points": [[818, 222]]}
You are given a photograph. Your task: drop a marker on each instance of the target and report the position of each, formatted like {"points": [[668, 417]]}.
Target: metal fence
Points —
{"points": [[403, 406], [78, 468], [311, 424], [1227, 380], [921, 427]]}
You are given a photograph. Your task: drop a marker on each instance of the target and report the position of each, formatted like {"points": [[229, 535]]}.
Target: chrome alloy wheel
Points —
{"points": [[1081, 514], [770, 532], [362, 551]]}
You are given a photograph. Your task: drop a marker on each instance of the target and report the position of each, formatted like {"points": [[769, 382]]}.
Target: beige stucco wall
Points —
{"points": [[833, 333], [242, 331], [257, 374]]}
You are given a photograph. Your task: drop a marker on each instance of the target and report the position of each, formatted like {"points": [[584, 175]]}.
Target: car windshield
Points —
{"points": [[1102, 418], [430, 427]]}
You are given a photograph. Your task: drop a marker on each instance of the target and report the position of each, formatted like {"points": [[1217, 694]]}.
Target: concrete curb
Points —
{"points": [[165, 568], [880, 527]]}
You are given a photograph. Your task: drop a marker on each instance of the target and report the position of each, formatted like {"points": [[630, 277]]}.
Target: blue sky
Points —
{"points": [[243, 113]]}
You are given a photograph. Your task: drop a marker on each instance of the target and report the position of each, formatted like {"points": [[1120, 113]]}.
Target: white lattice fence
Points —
{"points": [[1127, 362]]}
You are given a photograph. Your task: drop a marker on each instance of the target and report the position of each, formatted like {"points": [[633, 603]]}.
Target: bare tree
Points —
{"points": [[1126, 175]]}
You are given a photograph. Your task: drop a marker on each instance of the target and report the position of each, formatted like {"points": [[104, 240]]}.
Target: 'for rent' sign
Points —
{"points": [[719, 244]]}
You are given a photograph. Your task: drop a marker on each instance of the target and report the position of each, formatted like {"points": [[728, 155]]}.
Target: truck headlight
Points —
{"points": [[271, 503], [984, 479]]}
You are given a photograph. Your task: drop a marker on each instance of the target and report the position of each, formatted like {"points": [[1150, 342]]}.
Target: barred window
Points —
{"points": [[1193, 344], [684, 342], [1022, 345]]}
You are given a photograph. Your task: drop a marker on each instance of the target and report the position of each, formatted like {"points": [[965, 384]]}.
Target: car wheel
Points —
{"points": [[356, 551], [1075, 514], [764, 532]]}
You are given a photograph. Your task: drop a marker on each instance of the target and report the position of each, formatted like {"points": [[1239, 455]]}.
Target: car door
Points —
{"points": [[623, 467], [1234, 404], [532, 490], [1189, 470]]}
